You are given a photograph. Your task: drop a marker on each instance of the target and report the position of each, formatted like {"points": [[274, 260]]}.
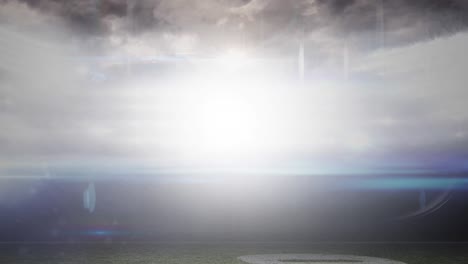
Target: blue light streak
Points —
{"points": [[409, 183]]}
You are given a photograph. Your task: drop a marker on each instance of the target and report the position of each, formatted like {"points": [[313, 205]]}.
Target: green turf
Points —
{"points": [[218, 253], [319, 260]]}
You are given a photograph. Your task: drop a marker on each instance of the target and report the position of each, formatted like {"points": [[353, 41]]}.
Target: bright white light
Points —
{"points": [[214, 116], [233, 59], [224, 122], [225, 119]]}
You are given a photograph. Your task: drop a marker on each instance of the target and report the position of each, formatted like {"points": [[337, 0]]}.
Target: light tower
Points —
{"points": [[300, 62], [380, 27], [301, 53], [129, 12], [345, 59]]}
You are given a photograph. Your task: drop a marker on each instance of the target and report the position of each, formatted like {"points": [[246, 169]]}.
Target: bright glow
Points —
{"points": [[226, 119], [233, 59], [218, 116]]}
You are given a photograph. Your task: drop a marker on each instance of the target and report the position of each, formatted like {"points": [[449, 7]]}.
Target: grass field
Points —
{"points": [[220, 253]]}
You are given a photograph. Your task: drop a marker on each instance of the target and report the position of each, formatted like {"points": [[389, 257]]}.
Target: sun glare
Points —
{"points": [[224, 120], [217, 115], [233, 59]]}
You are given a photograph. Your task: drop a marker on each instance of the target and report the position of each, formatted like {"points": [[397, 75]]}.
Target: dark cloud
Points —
{"points": [[347, 16]]}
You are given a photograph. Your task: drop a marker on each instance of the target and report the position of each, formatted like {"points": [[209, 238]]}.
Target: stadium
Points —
{"points": [[243, 131]]}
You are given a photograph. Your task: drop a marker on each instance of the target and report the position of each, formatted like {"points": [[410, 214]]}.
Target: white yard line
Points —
{"points": [[314, 259]]}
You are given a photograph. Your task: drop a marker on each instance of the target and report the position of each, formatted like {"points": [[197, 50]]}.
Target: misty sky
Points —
{"points": [[384, 85]]}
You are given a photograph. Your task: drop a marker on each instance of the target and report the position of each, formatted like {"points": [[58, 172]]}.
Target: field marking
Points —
{"points": [[314, 259]]}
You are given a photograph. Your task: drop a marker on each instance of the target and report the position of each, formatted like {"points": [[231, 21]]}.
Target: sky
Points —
{"points": [[180, 113], [383, 85]]}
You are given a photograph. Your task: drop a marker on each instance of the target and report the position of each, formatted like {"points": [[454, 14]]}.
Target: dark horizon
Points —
{"points": [[294, 208]]}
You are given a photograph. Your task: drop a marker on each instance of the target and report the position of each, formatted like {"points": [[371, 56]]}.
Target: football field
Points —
{"points": [[226, 253]]}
